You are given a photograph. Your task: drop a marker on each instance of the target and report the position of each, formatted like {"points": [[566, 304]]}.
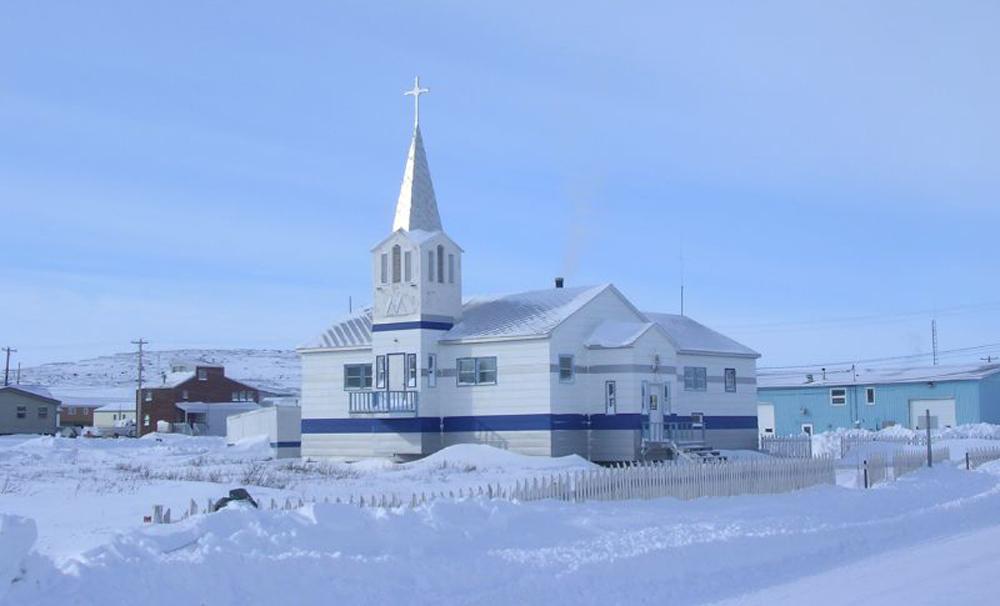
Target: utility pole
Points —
{"points": [[988, 359], [138, 392], [18, 381], [6, 367], [934, 345]]}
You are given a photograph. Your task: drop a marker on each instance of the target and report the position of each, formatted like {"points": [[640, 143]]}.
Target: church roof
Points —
{"points": [[690, 337], [416, 207], [526, 314], [354, 330], [612, 334], [519, 315]]}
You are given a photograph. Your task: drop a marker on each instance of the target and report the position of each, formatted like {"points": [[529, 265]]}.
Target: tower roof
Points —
{"points": [[416, 207]]}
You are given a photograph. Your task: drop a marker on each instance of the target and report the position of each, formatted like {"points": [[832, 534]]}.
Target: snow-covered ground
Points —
{"points": [[929, 537]]}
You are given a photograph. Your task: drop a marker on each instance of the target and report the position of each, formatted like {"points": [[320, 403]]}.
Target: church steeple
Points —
{"points": [[416, 207]]}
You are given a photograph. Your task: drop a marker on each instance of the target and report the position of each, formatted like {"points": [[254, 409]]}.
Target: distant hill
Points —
{"points": [[113, 378]]}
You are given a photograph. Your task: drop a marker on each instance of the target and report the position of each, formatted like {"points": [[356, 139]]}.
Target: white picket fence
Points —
{"points": [[622, 482], [796, 447], [974, 457], [878, 468]]}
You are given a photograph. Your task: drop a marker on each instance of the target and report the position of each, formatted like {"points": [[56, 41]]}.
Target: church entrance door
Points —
{"points": [[654, 408], [397, 372]]}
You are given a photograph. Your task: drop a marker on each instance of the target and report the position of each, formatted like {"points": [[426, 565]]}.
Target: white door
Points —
{"points": [[942, 413], [654, 406], [765, 419], [397, 372]]}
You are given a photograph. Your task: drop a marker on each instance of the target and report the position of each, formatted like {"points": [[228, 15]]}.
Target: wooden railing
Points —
{"points": [[383, 401], [678, 432]]}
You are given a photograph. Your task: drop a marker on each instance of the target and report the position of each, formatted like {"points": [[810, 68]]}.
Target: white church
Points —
{"points": [[547, 372]]}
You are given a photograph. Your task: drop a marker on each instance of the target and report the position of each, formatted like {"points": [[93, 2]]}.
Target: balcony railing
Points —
{"points": [[678, 432], [383, 401]]}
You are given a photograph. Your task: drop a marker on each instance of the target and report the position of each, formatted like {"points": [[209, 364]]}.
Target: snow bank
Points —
{"points": [[17, 536], [478, 551], [828, 443], [481, 456]]}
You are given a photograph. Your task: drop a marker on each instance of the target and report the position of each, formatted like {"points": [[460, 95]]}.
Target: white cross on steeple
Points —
{"points": [[416, 91]]}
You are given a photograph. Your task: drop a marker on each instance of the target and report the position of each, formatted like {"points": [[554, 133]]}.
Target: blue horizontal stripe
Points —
{"points": [[622, 421], [428, 324], [368, 425], [286, 444], [528, 422], [535, 422]]}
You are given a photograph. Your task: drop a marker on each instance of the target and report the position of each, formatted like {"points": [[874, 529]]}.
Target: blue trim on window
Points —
{"points": [[428, 324], [288, 444], [527, 422]]}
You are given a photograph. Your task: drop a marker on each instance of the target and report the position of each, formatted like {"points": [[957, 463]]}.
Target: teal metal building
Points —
{"points": [[790, 404]]}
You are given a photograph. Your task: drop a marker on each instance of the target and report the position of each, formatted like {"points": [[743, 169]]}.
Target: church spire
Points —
{"points": [[416, 207]]}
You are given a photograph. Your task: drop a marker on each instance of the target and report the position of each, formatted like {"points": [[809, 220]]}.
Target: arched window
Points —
{"points": [[430, 266], [440, 261], [397, 263]]}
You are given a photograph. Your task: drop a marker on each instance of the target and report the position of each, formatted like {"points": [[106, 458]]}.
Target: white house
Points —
{"points": [[545, 372]]}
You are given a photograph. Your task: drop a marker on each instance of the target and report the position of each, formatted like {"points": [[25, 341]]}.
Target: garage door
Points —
{"points": [[942, 413]]}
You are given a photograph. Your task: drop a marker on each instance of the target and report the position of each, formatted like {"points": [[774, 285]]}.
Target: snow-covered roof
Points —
{"points": [[354, 330], [528, 314], [874, 376], [31, 390], [612, 334], [691, 337], [537, 313], [170, 379], [117, 407], [198, 407]]}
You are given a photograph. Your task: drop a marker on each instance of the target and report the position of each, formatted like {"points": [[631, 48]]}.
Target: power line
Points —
{"points": [[949, 352]]}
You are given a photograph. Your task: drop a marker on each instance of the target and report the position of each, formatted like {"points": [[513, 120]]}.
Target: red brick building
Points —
{"points": [[74, 414], [194, 382]]}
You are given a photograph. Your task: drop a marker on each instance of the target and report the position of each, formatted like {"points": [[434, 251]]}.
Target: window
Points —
{"points": [[43, 412], [408, 266], [731, 380], [357, 376], [451, 269], [807, 429], [411, 370], [870, 396], [440, 268], [430, 266], [149, 395], [202, 374], [184, 394], [380, 372], [145, 420], [477, 371], [610, 397], [236, 396], [565, 369], [695, 378], [397, 262], [432, 364], [384, 269], [838, 397], [22, 412]]}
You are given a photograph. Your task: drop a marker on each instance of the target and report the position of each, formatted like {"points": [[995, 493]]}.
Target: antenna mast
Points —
{"points": [[934, 342]]}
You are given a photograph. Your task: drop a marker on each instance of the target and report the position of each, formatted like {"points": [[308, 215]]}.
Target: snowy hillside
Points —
{"points": [[111, 378]]}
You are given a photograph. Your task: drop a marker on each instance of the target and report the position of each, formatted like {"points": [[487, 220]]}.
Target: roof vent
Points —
{"points": [[809, 378], [559, 282]]}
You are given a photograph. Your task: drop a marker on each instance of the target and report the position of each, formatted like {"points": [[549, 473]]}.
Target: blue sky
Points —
{"points": [[212, 174]]}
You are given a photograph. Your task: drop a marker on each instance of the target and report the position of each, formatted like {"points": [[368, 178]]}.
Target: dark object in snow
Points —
{"points": [[236, 494]]}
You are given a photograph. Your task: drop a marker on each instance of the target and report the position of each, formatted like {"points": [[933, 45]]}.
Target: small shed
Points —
{"points": [[27, 409], [113, 415], [209, 418], [281, 424]]}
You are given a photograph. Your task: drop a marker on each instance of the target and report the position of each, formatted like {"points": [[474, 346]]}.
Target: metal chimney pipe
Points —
{"points": [[559, 282]]}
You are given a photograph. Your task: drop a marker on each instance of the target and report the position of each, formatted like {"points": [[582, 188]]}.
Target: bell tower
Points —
{"points": [[417, 269]]}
